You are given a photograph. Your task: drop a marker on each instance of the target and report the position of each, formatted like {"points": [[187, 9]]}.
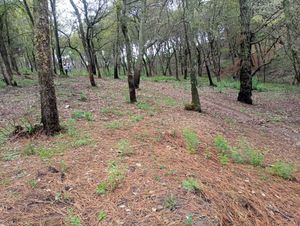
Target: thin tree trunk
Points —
{"points": [[132, 93], [4, 55], [49, 112], [57, 43], [245, 94], [139, 63], [191, 49]]}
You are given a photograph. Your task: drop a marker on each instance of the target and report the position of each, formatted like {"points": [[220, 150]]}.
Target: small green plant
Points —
{"points": [[82, 141], [137, 118], [191, 140], [124, 148], [170, 172], [114, 124], [102, 188], [170, 203], [29, 150], [11, 155], [102, 216], [221, 144], [33, 183], [113, 111], [63, 166], [224, 160], [245, 154], [208, 154], [83, 115], [168, 101], [189, 220], [144, 106], [191, 185], [83, 97], [73, 219], [157, 178], [282, 169], [116, 175]]}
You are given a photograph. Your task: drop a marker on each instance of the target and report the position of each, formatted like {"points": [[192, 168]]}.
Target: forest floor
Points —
{"points": [[117, 163]]}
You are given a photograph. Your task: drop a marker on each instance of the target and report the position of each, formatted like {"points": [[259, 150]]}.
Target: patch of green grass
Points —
{"points": [[5, 182], [124, 148], [168, 101], [82, 97], [170, 203], [83, 115], [11, 155], [102, 216], [82, 141], [137, 118], [191, 185], [160, 78], [73, 219], [144, 106], [114, 124], [189, 220], [245, 154], [221, 144], [116, 174], [2, 84], [224, 159], [33, 183], [282, 169], [170, 172], [191, 140], [113, 111]]}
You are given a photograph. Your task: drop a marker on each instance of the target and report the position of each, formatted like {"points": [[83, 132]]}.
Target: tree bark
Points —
{"points": [[49, 112], [191, 50], [57, 43], [4, 55], [86, 45], [132, 93], [139, 62], [245, 94]]}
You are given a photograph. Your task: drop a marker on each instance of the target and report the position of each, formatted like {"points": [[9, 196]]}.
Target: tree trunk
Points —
{"points": [[132, 93], [139, 62], [57, 44], [49, 112], [191, 49], [117, 44], [4, 55], [86, 45], [293, 52], [245, 94]]}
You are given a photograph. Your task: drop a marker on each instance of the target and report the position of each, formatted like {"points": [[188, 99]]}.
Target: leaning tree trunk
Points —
{"points": [[49, 112], [124, 27], [245, 94]]}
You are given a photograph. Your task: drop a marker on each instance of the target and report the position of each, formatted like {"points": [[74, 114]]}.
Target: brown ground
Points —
{"points": [[232, 194]]}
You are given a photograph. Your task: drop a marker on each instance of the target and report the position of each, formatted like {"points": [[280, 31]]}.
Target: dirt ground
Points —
{"points": [[60, 189]]}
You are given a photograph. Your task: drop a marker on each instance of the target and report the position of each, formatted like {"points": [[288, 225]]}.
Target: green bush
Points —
{"points": [[191, 185], [191, 140], [170, 203], [221, 144], [282, 169], [245, 154]]}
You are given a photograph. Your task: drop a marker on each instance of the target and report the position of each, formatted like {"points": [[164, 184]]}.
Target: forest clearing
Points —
{"points": [[146, 142], [149, 112]]}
